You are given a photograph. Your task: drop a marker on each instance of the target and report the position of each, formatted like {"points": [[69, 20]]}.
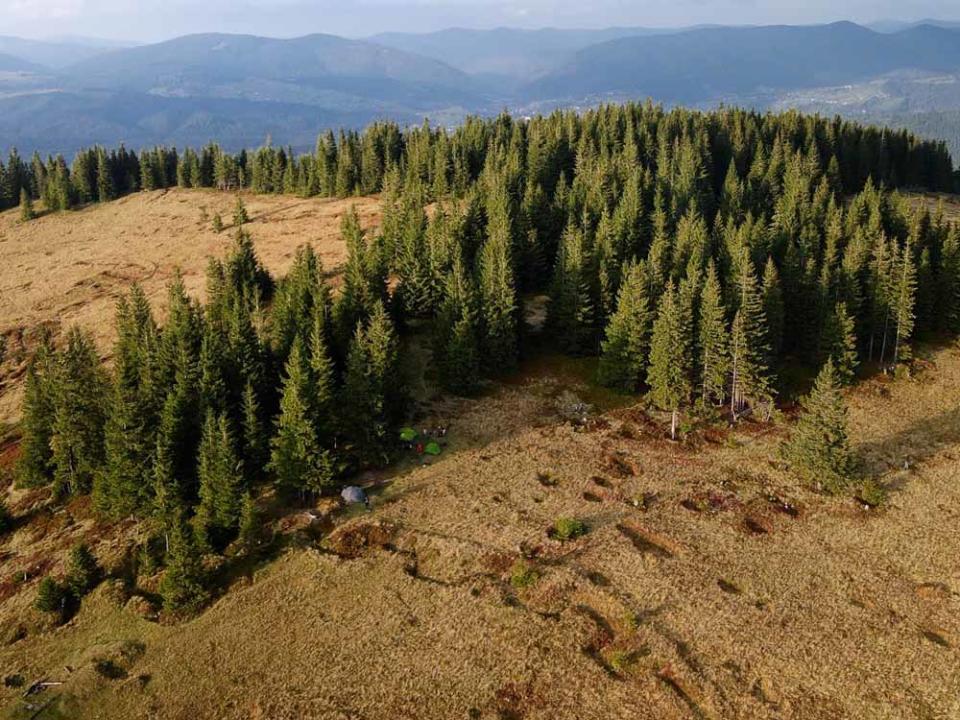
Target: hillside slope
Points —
{"points": [[70, 268], [710, 584]]}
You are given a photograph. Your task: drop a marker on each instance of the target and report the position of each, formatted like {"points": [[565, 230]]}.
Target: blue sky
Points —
{"points": [[147, 20]]}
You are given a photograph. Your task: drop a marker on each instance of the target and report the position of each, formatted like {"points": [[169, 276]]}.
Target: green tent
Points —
{"points": [[432, 448], [408, 434]]}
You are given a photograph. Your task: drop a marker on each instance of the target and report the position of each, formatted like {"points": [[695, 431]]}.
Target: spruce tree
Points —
{"points": [[106, 189], [220, 473], [364, 282], [455, 343], [669, 374], [249, 530], [322, 374], [749, 347], [52, 597], [35, 464], [256, 439], [498, 300], [373, 387], [623, 360], [840, 343], [904, 303], [240, 216], [83, 572], [571, 315], [184, 586], [773, 307], [298, 461], [178, 432], [819, 447], [949, 282], [26, 206], [123, 487], [77, 439], [713, 341]]}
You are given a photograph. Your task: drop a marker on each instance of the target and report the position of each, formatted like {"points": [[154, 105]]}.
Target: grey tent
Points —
{"points": [[353, 494]]}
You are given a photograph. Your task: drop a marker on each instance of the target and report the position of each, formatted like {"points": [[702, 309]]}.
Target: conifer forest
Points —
{"points": [[697, 255], [631, 411]]}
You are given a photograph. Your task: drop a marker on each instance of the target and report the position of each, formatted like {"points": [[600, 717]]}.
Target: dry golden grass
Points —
{"points": [[710, 585], [948, 203], [69, 268]]}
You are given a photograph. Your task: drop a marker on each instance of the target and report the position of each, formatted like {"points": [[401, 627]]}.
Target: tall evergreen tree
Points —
{"points": [[372, 388], [297, 459], [26, 206], [256, 446], [322, 373], [670, 356], [773, 307], [840, 343], [713, 341], [364, 282], [455, 343], [221, 482], [123, 487], [184, 586], [178, 432], [623, 360], [35, 464], [77, 439], [819, 447], [498, 297], [106, 189], [571, 316], [904, 303], [749, 346]]}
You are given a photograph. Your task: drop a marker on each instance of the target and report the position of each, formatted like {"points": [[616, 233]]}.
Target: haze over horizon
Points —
{"points": [[157, 20]]}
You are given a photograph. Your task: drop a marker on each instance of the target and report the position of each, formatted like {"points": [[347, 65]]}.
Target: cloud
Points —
{"points": [[39, 9]]}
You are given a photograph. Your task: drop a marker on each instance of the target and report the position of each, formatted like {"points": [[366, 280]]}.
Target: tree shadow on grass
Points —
{"points": [[911, 445]]}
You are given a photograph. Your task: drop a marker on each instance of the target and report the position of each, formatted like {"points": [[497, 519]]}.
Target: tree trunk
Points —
{"points": [[673, 425], [883, 347], [733, 390]]}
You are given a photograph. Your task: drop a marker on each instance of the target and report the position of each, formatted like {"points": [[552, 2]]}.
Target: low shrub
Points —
{"points": [[51, 596], [567, 528], [523, 575]]}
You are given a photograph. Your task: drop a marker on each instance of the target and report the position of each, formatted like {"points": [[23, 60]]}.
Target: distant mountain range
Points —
{"points": [[56, 53], [714, 64], [58, 95], [509, 54]]}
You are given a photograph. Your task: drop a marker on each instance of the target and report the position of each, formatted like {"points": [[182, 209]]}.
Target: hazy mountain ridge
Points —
{"points": [[216, 57], [12, 63], [54, 54], [294, 88], [701, 65], [506, 52]]}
